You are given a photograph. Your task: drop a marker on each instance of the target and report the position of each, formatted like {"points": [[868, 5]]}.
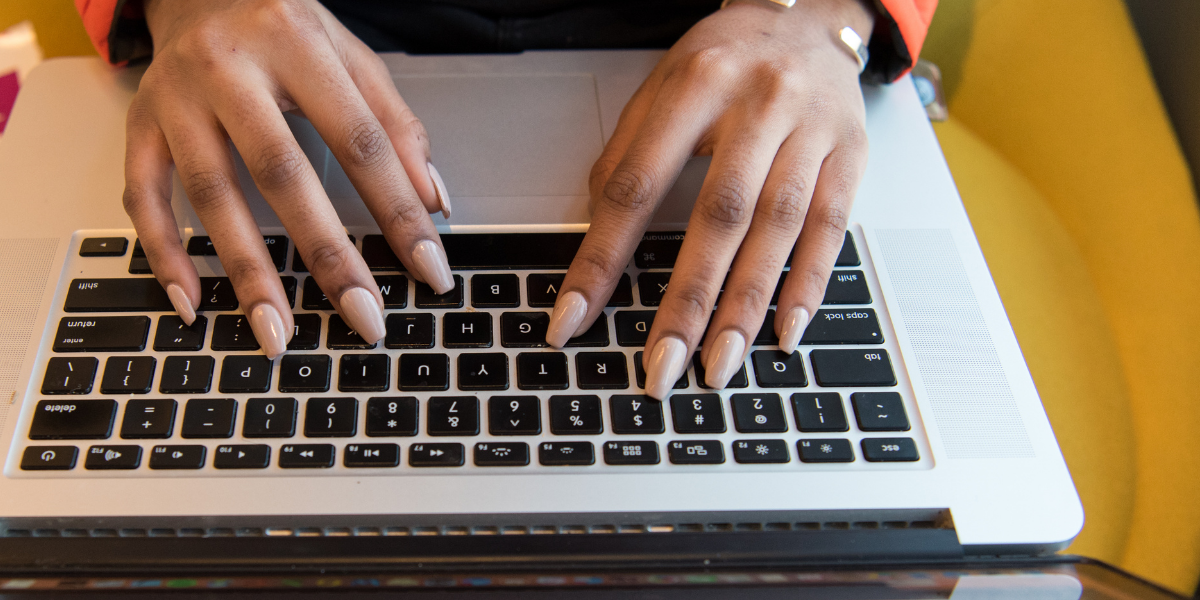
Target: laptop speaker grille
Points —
{"points": [[24, 271]]}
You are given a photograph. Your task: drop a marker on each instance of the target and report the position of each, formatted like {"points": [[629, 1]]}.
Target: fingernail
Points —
{"points": [[362, 312], [793, 328], [667, 361], [268, 330], [182, 304], [725, 357], [566, 319], [439, 187], [431, 260]]}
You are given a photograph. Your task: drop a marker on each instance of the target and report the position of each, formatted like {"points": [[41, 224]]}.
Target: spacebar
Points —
{"points": [[116, 295]]}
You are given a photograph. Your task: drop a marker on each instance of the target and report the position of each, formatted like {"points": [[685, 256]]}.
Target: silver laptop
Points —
{"points": [[908, 423]]}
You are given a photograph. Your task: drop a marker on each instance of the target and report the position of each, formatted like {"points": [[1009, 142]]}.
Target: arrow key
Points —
{"points": [[435, 455], [306, 456], [242, 456], [372, 455]]}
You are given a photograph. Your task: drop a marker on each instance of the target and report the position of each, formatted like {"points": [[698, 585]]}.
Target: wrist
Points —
{"points": [[859, 15]]}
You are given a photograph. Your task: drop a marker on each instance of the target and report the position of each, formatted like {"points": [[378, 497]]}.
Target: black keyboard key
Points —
{"points": [[739, 379], [330, 417], [631, 453], [761, 451], [102, 334], [341, 337], [773, 369], [366, 456], [843, 326], [436, 455], [73, 420], [622, 294], [766, 333], [890, 450], [635, 414], [825, 451], [148, 419], [242, 456], [483, 371], [117, 295], [378, 254], [425, 298], [216, 293], [467, 330], [652, 286], [289, 289], [409, 331], [233, 332], [566, 454], [113, 458], [501, 454], [697, 413], [640, 374], [105, 246], [542, 371], [879, 411], [633, 326], [452, 415], [848, 257], [138, 263], [495, 291], [364, 373], [128, 375], [601, 371], [270, 418], [696, 452], [201, 245], [424, 372], [542, 288], [392, 416], [524, 329], [758, 413], [49, 458], [277, 247], [394, 289], [172, 335], [209, 418], [245, 374], [847, 287], [596, 336], [313, 297], [306, 332], [307, 456], [69, 375], [305, 372], [576, 415], [177, 457], [187, 375], [514, 415], [658, 250], [845, 368], [819, 412]]}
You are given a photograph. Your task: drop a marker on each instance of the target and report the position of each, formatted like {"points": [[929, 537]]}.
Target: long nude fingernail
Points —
{"points": [[431, 260], [362, 312], [568, 315], [439, 188], [725, 357], [793, 328], [667, 362], [182, 304], [269, 330]]}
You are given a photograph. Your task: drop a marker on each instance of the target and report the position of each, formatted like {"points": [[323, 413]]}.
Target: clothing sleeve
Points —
{"points": [[898, 36], [117, 29]]}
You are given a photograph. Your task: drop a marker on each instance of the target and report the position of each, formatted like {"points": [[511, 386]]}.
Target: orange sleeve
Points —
{"points": [[899, 34], [116, 27]]}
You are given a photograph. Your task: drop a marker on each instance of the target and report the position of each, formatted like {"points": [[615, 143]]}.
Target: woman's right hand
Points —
{"points": [[228, 70]]}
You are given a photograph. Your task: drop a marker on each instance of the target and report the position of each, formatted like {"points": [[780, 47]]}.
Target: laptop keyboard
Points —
{"points": [[463, 382]]}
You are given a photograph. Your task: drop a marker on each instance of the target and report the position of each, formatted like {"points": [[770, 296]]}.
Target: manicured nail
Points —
{"points": [[362, 312], [431, 260], [182, 304], [269, 330], [568, 316], [793, 328], [439, 187], [667, 362], [726, 356]]}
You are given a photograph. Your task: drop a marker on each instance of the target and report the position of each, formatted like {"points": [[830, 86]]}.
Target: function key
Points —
{"points": [[116, 295], [773, 369], [73, 419], [209, 418], [425, 298], [172, 335], [436, 455], [495, 291], [306, 456], [483, 371], [409, 331], [201, 245], [392, 416], [453, 415], [245, 374], [843, 326], [890, 450], [342, 337], [277, 247], [879, 411], [138, 263], [658, 250], [306, 332], [187, 375], [631, 453], [69, 375], [49, 458], [467, 330], [217, 293], [378, 254], [330, 417], [177, 457], [819, 412], [314, 297], [394, 289], [514, 415], [847, 287], [601, 371], [566, 454], [102, 334], [640, 373], [739, 379], [846, 368], [652, 286], [305, 372], [848, 257], [542, 371], [697, 413], [148, 419], [113, 457], [576, 415], [758, 413], [242, 456], [825, 451], [106, 246], [270, 418], [364, 373], [623, 294], [633, 326], [542, 288], [365, 456], [128, 375], [524, 329], [761, 451], [501, 454], [233, 332], [696, 452], [635, 414], [424, 372]]}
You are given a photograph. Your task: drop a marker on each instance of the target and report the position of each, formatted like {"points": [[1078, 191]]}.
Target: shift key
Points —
{"points": [[117, 295], [102, 334]]}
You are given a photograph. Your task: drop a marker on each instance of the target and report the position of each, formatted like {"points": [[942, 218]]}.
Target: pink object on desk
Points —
{"points": [[8, 96]]}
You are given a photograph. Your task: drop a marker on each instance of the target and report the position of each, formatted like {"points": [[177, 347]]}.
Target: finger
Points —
{"points": [[147, 201], [820, 242], [632, 116], [778, 218]]}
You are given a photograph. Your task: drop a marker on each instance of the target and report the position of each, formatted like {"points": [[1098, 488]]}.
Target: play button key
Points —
{"points": [[242, 456]]}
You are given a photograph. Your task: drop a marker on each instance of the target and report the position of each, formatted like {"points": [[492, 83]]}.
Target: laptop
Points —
{"points": [[906, 427]]}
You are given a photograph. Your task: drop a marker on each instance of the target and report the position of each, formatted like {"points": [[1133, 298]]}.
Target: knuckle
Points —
{"points": [[600, 171], [599, 263], [279, 165], [832, 220], [403, 214], [728, 203], [208, 189], [285, 15], [203, 42], [753, 293], [328, 256], [788, 207], [629, 189], [691, 302], [412, 127], [709, 65], [365, 144], [244, 268]]}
